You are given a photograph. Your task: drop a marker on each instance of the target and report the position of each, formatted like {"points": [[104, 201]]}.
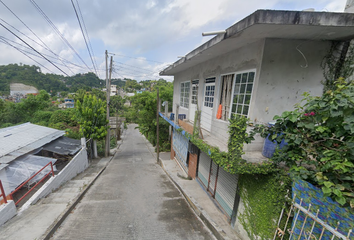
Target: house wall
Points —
{"points": [[235, 61], [284, 76], [7, 211], [77, 165]]}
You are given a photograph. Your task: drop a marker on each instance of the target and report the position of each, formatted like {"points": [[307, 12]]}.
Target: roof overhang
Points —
{"points": [[264, 24]]}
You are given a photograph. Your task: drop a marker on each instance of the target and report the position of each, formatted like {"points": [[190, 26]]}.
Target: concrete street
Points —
{"points": [[133, 199]]}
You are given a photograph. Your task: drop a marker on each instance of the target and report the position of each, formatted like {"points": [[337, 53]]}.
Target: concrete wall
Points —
{"points": [[7, 211], [77, 165], [234, 61], [282, 75], [238, 226]]}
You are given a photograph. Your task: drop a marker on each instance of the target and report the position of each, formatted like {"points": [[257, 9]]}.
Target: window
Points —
{"points": [[184, 97], [242, 93], [195, 91], [209, 96], [225, 95]]}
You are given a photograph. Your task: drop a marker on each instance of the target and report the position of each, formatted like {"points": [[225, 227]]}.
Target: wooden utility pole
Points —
{"points": [[157, 128], [108, 86]]}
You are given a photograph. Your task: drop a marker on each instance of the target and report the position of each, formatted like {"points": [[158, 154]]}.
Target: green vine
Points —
{"points": [[232, 161], [263, 199]]}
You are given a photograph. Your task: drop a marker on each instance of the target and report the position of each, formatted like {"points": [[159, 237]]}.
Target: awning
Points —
{"points": [[63, 146]]}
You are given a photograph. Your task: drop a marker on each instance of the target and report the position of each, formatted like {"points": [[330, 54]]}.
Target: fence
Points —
{"points": [[24, 183], [314, 216]]}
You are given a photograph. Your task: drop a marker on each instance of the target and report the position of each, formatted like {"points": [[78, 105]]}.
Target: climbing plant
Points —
{"points": [[263, 197], [320, 141]]}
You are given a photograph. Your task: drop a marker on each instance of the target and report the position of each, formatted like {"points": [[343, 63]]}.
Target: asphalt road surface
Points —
{"points": [[133, 199]]}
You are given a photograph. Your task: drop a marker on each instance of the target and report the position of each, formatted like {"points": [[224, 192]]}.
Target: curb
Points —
{"points": [[51, 230], [218, 233]]}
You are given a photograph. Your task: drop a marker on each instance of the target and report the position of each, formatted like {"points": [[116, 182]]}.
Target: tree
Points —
{"points": [[91, 115]]}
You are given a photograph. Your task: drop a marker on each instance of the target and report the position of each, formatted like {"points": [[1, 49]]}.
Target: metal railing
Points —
{"points": [[307, 224], [24, 183], [2, 193]]}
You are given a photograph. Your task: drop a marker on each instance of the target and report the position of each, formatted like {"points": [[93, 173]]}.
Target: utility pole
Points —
{"points": [[157, 127], [108, 86]]}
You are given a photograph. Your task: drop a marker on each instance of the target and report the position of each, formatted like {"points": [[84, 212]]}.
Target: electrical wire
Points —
{"points": [[57, 56], [46, 47], [24, 53], [89, 42], [56, 30], [34, 49], [135, 58], [88, 49]]}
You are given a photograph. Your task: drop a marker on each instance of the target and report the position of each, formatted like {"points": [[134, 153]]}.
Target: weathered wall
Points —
{"points": [[235, 61], [77, 165], [284, 76], [7, 211]]}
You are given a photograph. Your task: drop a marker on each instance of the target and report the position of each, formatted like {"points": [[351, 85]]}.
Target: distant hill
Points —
{"points": [[32, 75]]}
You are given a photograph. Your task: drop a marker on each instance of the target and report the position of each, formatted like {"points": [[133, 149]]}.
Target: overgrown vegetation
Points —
{"points": [[320, 141]]}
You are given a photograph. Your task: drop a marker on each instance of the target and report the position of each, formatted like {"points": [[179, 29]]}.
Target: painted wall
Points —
{"points": [[235, 61], [7, 211], [77, 165], [282, 75]]}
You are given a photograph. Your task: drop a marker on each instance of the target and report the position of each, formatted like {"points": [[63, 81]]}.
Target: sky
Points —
{"points": [[143, 37]]}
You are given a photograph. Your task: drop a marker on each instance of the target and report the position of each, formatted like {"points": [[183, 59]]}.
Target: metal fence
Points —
{"points": [[301, 223]]}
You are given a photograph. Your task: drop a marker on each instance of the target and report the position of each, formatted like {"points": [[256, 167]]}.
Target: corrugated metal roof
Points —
{"points": [[18, 140]]}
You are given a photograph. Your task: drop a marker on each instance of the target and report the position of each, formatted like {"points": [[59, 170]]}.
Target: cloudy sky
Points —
{"points": [[142, 36]]}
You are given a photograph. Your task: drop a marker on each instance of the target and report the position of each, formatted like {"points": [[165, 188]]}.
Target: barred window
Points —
{"points": [[242, 93], [184, 97]]}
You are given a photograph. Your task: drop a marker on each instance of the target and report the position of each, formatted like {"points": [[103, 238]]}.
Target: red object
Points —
{"points": [[3, 195], [218, 115], [18, 188]]}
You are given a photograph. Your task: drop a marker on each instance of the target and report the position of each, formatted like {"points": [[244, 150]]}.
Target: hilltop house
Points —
{"points": [[258, 68]]}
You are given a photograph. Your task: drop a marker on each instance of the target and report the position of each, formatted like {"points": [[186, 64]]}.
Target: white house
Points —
{"points": [[258, 68]]}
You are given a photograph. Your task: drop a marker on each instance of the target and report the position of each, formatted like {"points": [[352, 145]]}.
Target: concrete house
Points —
{"points": [[258, 68]]}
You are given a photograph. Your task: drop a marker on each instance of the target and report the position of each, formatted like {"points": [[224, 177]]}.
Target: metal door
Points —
{"points": [[204, 168], [180, 146], [213, 178], [226, 190]]}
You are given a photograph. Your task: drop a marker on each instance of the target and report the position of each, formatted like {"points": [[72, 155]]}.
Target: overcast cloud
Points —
{"points": [[145, 36]]}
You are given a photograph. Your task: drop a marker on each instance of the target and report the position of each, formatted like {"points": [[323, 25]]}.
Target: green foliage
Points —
{"points": [[320, 137], [263, 197], [41, 116], [116, 105], [143, 112], [232, 161], [113, 142], [91, 115], [66, 117]]}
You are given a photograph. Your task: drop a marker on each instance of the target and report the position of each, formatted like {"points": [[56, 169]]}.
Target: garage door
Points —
{"points": [[204, 168], [180, 146]]}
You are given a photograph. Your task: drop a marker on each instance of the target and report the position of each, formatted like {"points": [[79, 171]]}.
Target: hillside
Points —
{"points": [[32, 75]]}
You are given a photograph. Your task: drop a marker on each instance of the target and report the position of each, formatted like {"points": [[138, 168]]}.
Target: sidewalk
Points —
{"points": [[197, 198], [39, 221]]}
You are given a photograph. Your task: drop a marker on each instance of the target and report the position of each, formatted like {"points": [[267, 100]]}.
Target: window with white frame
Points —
{"points": [[241, 97], [184, 97], [195, 84]]}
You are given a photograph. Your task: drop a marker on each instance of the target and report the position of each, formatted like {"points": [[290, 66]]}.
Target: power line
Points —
{"points": [[89, 42], [135, 58], [34, 49], [46, 47], [57, 56], [88, 49], [24, 53], [57, 31]]}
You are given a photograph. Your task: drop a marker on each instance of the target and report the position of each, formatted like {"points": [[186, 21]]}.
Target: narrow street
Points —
{"points": [[133, 199]]}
